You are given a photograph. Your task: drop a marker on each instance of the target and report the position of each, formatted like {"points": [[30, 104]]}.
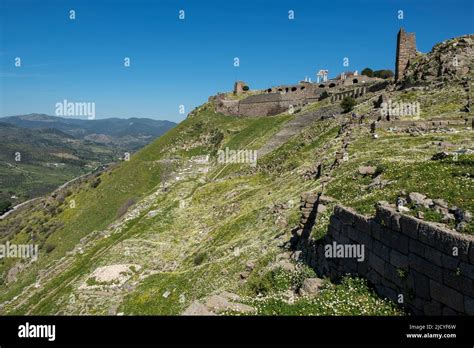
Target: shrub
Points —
{"points": [[199, 258], [348, 104], [245, 88]]}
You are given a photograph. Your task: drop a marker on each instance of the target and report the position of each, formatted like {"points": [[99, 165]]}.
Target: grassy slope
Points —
{"points": [[205, 231]]}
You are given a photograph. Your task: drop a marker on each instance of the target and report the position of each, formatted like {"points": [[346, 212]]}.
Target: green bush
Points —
{"points": [[245, 88], [199, 258]]}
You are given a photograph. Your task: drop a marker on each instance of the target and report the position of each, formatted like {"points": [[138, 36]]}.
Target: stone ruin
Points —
{"points": [[239, 87], [406, 52]]}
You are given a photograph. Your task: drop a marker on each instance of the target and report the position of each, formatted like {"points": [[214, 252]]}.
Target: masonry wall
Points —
{"points": [[403, 256], [406, 51]]}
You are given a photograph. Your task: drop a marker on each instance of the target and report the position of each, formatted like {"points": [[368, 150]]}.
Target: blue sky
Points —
{"points": [[182, 62]]}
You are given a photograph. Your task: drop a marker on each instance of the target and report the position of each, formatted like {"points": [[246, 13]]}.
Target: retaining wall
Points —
{"points": [[421, 265]]}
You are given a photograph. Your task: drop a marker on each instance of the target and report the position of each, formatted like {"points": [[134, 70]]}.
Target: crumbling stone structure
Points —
{"points": [[406, 52], [354, 93]]}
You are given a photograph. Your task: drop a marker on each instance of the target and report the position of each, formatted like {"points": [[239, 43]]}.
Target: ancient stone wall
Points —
{"points": [[406, 52], [227, 107], [354, 93], [423, 124], [424, 267]]}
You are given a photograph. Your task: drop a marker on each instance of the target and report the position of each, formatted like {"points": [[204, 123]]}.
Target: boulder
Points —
{"points": [[366, 170], [311, 287], [419, 199]]}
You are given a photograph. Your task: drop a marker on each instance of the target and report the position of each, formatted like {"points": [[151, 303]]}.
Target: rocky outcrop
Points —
{"points": [[448, 60]]}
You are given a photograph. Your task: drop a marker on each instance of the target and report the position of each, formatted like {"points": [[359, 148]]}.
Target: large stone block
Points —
{"points": [[446, 295], [432, 308], [394, 275], [395, 240], [381, 250], [468, 305], [383, 215], [361, 223], [335, 222], [450, 262], [409, 226], [377, 263], [471, 250], [424, 267], [344, 214], [374, 277], [417, 247], [375, 229], [467, 270], [422, 285], [398, 259], [433, 255], [458, 282]]}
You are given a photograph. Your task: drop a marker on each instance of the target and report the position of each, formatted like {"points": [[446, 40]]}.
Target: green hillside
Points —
{"points": [[154, 234]]}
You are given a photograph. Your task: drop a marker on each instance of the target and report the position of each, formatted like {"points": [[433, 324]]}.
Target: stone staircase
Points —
{"points": [[296, 125]]}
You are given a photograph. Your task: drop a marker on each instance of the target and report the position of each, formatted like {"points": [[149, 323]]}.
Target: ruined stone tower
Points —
{"points": [[239, 87], [406, 51]]}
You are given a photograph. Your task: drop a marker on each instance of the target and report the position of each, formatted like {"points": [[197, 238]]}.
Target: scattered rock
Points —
{"points": [[401, 201], [420, 215], [197, 308], [440, 202], [296, 255], [378, 183], [366, 170], [447, 218], [244, 275], [249, 266], [403, 209]]}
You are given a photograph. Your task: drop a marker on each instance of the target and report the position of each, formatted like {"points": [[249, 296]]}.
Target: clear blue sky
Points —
{"points": [[178, 62]]}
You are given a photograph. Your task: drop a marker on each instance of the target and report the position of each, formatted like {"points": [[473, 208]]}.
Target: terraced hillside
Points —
{"points": [[169, 232]]}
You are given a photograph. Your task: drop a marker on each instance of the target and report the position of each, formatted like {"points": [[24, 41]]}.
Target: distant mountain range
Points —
{"points": [[129, 134], [40, 152]]}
